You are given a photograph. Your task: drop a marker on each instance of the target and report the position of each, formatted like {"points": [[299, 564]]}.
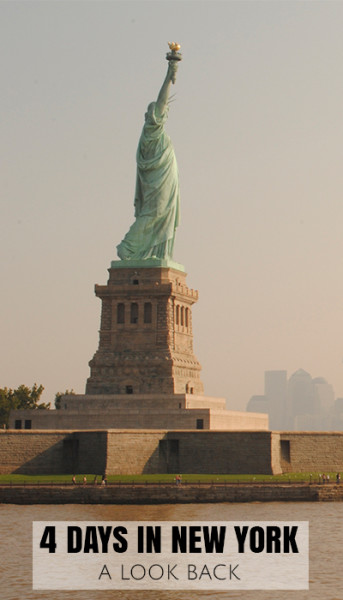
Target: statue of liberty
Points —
{"points": [[157, 195]]}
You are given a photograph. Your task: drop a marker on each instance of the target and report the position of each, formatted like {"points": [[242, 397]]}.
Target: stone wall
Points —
{"points": [[92, 452], [134, 451], [189, 452], [169, 494], [162, 451], [238, 421], [276, 467], [224, 452], [39, 452], [311, 451], [130, 418], [181, 411], [53, 452]]}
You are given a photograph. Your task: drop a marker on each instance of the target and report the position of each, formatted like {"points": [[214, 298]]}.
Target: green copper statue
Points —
{"points": [[157, 196]]}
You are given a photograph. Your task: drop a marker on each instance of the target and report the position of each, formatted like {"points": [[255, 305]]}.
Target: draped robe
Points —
{"points": [[157, 196]]}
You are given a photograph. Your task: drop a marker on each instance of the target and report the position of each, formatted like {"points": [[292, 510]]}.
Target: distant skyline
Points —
{"points": [[257, 131], [298, 401]]}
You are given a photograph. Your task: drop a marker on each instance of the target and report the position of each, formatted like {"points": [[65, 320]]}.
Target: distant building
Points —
{"points": [[258, 404], [324, 392], [338, 413], [301, 394], [300, 403], [275, 390]]}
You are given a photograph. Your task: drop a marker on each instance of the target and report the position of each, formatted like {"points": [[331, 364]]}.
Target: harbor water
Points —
{"points": [[326, 548]]}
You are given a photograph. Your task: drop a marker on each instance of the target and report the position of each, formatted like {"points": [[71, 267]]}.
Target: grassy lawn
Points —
{"points": [[161, 478]]}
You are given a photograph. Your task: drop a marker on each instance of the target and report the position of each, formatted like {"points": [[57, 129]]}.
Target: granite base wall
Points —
{"points": [[304, 451], [162, 451], [48, 452], [134, 451], [189, 452]]}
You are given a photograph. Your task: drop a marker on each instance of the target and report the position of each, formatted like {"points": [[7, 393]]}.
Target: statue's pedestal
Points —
{"points": [[144, 374], [146, 335]]}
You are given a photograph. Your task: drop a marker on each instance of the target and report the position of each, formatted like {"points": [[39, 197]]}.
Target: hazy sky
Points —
{"points": [[257, 129]]}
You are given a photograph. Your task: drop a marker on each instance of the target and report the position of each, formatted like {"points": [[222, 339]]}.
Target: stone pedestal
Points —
{"points": [[146, 336], [144, 375]]}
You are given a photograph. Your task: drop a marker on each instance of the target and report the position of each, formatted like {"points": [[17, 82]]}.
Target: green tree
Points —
{"points": [[25, 397], [59, 395], [5, 406], [21, 398]]}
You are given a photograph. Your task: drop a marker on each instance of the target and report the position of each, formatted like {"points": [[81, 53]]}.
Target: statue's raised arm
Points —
{"points": [[157, 195], [163, 96]]}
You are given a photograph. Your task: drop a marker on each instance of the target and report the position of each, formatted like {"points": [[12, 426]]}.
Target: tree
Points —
{"points": [[5, 406], [25, 397], [59, 395], [21, 398]]}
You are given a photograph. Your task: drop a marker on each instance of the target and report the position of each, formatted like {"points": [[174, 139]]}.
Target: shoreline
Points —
{"points": [[169, 494]]}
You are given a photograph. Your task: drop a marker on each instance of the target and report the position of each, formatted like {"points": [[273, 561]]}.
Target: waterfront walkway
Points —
{"points": [[168, 493]]}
